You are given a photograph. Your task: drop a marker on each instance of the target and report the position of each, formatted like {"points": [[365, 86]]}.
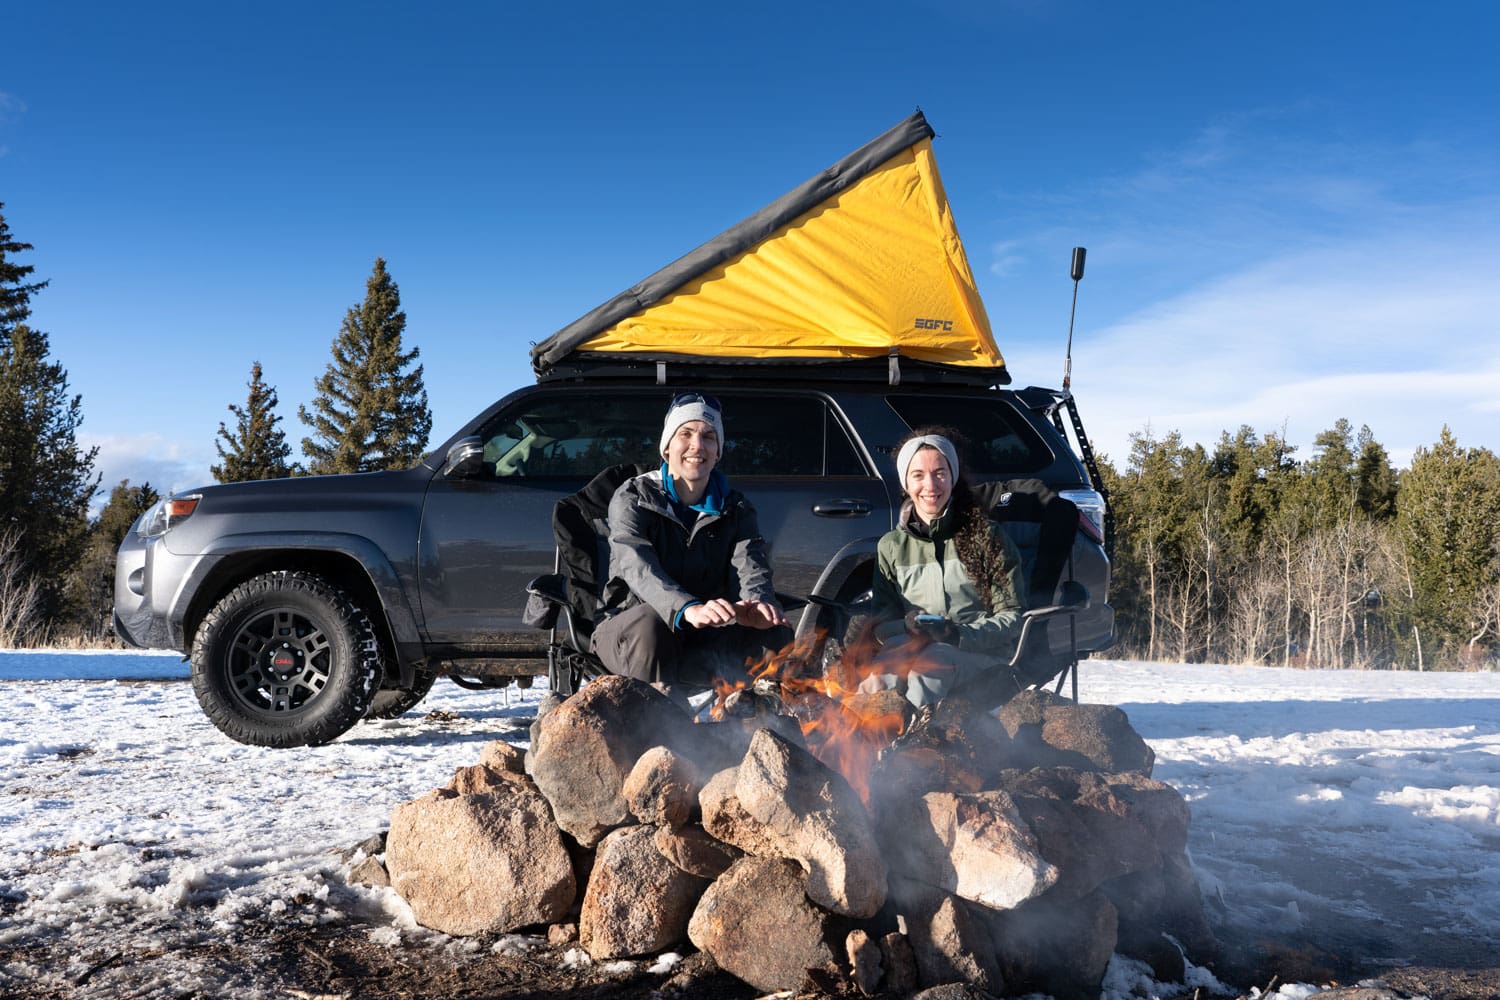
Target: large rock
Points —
{"points": [[1097, 827], [950, 943], [974, 846], [757, 923], [695, 852], [662, 789], [489, 862], [781, 801], [1046, 731], [637, 902], [1056, 946], [586, 747], [1159, 902]]}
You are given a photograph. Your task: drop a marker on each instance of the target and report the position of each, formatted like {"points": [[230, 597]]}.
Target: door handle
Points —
{"points": [[841, 508]]}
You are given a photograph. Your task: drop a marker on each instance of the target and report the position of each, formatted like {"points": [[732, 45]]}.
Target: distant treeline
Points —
{"points": [[1242, 554]]}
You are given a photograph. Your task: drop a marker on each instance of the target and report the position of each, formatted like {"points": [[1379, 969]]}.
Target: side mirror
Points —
{"points": [[465, 458]]}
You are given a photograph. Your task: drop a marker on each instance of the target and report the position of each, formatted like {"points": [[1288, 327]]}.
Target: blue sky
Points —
{"points": [[1292, 210]]}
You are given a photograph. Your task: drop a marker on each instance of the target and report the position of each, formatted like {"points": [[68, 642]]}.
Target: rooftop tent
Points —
{"points": [[862, 261]]}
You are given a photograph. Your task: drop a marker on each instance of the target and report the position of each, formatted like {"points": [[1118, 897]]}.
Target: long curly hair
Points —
{"points": [[983, 558]]}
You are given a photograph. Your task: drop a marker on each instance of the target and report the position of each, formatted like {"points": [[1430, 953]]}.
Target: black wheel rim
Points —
{"points": [[279, 662]]}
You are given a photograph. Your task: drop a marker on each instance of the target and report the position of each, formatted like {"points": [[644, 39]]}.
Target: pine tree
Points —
{"points": [[369, 412], [257, 448], [1375, 479], [46, 479], [1448, 517], [15, 296]]}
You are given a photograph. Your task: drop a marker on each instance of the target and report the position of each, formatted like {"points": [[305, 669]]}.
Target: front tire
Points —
{"points": [[286, 659]]}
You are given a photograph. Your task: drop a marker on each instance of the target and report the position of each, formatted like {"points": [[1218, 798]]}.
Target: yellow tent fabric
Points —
{"points": [[879, 265]]}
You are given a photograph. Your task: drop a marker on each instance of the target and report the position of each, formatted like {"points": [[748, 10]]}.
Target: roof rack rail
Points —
{"points": [[677, 369]]}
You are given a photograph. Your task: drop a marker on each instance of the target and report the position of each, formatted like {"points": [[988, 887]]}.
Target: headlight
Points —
{"points": [[167, 515]]}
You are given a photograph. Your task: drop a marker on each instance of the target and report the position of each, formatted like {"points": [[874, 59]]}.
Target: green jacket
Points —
{"points": [[924, 574]]}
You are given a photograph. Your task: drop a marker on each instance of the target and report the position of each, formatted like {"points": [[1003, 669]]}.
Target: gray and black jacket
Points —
{"points": [[657, 559]]}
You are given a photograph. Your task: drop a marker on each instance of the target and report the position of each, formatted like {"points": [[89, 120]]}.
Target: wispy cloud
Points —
{"points": [[145, 458], [1270, 281], [11, 107], [1397, 334]]}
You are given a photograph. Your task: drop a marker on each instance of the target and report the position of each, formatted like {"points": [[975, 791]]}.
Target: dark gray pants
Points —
{"points": [[637, 643]]}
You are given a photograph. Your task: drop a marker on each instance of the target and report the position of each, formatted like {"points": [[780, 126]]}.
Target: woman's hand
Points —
{"points": [[933, 628]]}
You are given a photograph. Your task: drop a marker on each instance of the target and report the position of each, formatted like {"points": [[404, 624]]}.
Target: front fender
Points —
{"points": [[841, 568], [225, 551]]}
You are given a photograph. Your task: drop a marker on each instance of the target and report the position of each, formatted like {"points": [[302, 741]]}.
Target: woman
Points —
{"points": [[948, 588]]}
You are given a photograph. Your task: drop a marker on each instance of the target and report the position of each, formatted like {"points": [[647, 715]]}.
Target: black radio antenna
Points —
{"points": [[1079, 253]]}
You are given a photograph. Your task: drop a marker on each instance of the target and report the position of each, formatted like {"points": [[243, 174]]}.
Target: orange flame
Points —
{"points": [[844, 730]]}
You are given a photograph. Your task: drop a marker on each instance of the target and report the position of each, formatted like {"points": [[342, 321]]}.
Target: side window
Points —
{"points": [[1001, 441], [786, 436], [572, 436]]}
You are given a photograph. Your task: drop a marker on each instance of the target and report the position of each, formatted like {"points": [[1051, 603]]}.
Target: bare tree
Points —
{"points": [[20, 597]]}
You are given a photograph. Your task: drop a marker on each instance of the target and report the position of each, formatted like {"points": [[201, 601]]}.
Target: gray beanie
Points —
{"points": [[692, 406], [916, 444]]}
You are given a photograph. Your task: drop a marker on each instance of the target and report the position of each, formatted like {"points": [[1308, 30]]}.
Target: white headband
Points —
{"points": [[909, 451]]}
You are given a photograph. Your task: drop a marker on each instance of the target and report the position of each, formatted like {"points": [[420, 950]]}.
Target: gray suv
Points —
{"points": [[307, 604]]}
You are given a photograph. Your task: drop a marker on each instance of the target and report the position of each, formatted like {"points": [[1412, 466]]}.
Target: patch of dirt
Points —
{"points": [[288, 958]]}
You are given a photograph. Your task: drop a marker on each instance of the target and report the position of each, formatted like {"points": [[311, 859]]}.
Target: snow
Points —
{"points": [[1352, 808]]}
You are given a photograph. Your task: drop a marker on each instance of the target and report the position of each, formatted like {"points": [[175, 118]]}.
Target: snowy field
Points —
{"points": [[1344, 809]]}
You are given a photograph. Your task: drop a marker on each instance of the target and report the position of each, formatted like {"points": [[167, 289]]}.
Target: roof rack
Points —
{"points": [[677, 369]]}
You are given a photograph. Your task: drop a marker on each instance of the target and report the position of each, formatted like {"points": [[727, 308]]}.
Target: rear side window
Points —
{"points": [[786, 436], [1001, 441]]}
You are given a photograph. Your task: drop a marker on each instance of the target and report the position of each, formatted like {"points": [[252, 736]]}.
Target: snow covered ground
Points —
{"points": [[1350, 809]]}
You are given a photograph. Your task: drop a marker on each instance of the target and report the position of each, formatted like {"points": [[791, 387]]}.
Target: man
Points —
{"points": [[690, 595]]}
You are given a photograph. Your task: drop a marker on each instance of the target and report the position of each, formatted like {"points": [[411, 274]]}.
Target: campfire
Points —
{"points": [[801, 833]]}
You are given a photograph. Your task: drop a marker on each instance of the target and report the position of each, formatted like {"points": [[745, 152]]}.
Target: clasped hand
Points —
{"points": [[943, 630]]}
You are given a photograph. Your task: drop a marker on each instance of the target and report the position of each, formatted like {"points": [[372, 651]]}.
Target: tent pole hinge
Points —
{"points": [[895, 366], [661, 373]]}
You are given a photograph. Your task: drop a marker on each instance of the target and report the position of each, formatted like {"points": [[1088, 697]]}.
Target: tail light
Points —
{"points": [[1090, 506]]}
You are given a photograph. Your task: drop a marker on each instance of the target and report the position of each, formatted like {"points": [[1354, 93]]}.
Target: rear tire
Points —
{"points": [[286, 659], [393, 703]]}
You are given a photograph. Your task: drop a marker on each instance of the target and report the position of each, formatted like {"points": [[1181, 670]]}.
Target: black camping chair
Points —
{"points": [[1044, 527], [568, 600]]}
